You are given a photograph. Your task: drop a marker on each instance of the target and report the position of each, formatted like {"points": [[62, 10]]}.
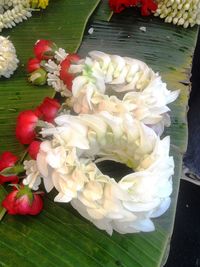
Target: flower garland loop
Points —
{"points": [[8, 58], [117, 84], [121, 110], [67, 162]]}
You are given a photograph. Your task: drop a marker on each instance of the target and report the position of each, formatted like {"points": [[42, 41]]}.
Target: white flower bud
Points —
{"points": [[183, 12]]}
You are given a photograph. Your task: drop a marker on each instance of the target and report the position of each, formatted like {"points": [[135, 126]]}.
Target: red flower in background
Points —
{"points": [[44, 49], [119, 5], [33, 149], [33, 64], [22, 201], [48, 109], [25, 128], [65, 75], [7, 159], [13, 179], [147, 6]]}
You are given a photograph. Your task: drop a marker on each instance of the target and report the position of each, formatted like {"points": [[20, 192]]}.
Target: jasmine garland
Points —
{"points": [[117, 84], [13, 12], [66, 161], [180, 12], [121, 108]]}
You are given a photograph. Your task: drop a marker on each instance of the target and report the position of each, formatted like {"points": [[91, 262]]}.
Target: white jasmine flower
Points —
{"points": [[60, 54], [33, 178]]}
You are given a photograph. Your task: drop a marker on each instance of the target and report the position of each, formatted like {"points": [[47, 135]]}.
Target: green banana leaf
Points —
{"points": [[63, 21], [103, 11], [59, 236]]}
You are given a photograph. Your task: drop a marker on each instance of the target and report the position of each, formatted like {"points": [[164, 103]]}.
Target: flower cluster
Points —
{"points": [[28, 120], [21, 200], [119, 109], [66, 161], [8, 58], [117, 84], [13, 12], [147, 6], [43, 51], [180, 12]]}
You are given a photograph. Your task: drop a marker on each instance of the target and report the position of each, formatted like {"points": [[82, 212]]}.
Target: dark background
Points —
{"points": [[185, 245]]}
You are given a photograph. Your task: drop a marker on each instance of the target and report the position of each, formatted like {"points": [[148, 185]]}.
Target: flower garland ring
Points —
{"points": [[8, 58], [67, 161], [117, 84]]}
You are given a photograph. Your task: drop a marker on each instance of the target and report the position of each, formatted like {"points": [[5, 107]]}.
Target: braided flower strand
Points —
{"points": [[67, 162], [8, 58], [117, 84], [13, 12], [179, 12]]}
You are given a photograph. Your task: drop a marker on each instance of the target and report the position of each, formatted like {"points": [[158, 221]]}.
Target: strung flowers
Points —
{"points": [[117, 84], [119, 109], [8, 58], [66, 161], [180, 12], [13, 12], [43, 51], [22, 200]]}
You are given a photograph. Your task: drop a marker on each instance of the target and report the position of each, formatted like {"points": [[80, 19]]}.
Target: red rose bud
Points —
{"points": [[38, 77], [25, 128], [33, 149], [44, 49], [22, 201], [65, 76], [33, 64], [12, 179], [7, 159], [148, 6], [48, 110], [73, 58], [119, 5]]}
